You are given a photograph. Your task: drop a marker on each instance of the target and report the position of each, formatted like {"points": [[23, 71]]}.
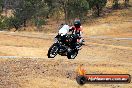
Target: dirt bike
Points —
{"points": [[66, 47]]}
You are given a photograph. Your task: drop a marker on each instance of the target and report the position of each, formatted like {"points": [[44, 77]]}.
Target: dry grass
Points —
{"points": [[115, 23]]}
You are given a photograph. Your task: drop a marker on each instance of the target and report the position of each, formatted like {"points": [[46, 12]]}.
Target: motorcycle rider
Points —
{"points": [[77, 30]]}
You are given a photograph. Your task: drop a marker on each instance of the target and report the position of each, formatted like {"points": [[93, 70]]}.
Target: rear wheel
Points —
{"points": [[52, 52]]}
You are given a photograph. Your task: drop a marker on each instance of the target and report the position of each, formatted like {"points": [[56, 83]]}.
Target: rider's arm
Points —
{"points": [[71, 29]]}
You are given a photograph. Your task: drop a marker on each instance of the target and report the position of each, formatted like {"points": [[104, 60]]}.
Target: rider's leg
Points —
{"points": [[81, 41]]}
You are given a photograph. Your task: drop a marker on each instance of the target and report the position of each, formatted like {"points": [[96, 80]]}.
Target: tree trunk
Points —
{"points": [[98, 10], [16, 27], [24, 24]]}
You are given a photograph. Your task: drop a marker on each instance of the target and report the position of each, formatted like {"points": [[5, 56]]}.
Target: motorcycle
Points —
{"points": [[64, 46]]}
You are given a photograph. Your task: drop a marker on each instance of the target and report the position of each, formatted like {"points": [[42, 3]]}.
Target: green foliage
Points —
{"points": [[97, 6], [4, 23], [74, 8], [1, 5], [115, 4], [39, 22], [78, 8], [40, 10], [93, 3], [26, 10], [15, 22]]}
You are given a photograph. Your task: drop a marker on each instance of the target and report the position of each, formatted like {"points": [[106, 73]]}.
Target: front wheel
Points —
{"points": [[52, 52], [71, 54]]}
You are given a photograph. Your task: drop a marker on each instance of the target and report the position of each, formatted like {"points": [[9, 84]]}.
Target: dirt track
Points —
{"points": [[99, 55]]}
